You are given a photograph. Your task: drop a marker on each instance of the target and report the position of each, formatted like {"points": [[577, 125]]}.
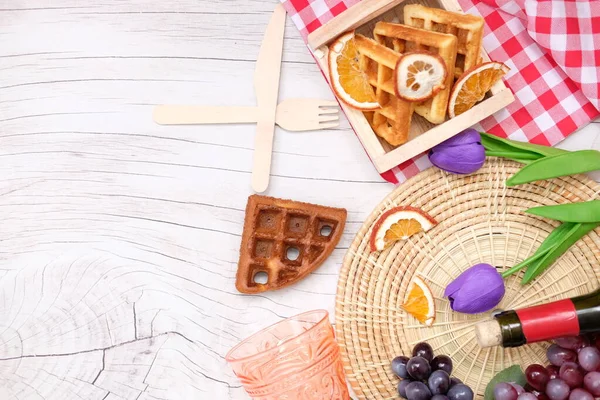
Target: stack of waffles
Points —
{"points": [[455, 37]]}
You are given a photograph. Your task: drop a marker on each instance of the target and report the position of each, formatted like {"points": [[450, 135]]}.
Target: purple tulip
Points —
{"points": [[478, 289], [461, 154]]}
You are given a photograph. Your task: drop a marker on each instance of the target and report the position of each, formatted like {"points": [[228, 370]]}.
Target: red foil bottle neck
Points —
{"points": [[548, 321]]}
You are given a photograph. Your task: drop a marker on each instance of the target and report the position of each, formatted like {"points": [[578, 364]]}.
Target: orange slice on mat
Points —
{"points": [[420, 303], [472, 86], [419, 75], [399, 223], [349, 82]]}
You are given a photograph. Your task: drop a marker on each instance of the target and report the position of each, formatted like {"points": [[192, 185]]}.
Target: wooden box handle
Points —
{"points": [[352, 18]]}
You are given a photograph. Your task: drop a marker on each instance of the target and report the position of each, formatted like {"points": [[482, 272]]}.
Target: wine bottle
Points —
{"points": [[569, 317]]}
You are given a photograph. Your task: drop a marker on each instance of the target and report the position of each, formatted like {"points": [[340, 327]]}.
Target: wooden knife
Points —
{"points": [[266, 86]]}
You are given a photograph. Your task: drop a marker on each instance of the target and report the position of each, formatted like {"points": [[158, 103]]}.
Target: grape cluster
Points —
{"points": [[573, 373], [425, 377]]}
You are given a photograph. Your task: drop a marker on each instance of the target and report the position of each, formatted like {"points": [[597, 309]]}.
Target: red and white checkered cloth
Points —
{"points": [[552, 48]]}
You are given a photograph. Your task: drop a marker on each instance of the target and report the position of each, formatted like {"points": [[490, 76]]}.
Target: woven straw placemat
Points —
{"points": [[480, 220]]}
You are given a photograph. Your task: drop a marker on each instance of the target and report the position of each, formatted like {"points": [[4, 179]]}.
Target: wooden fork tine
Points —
{"points": [[328, 125], [328, 111], [328, 118]]}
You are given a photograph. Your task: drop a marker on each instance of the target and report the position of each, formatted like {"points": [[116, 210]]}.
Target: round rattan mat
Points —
{"points": [[480, 220]]}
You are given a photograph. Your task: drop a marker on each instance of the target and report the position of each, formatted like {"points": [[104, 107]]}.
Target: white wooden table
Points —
{"points": [[119, 238]]}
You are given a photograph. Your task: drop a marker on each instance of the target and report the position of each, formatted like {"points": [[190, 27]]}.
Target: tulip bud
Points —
{"points": [[478, 289], [461, 154]]}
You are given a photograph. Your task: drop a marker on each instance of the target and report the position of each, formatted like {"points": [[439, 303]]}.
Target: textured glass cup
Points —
{"points": [[297, 358]]}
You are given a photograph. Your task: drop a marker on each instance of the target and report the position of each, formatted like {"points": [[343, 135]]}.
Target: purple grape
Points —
{"points": [[539, 395], [439, 382], [572, 342], [520, 389], [552, 371], [443, 363], [402, 387], [571, 374], [596, 342], [580, 394], [454, 381], [527, 396], [558, 356], [399, 366], [417, 391], [557, 389], [460, 392], [589, 358], [586, 343], [529, 388], [505, 391], [439, 397], [537, 376], [591, 383], [418, 368], [423, 350]]}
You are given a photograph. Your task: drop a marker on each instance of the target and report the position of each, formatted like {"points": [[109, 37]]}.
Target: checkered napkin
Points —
{"points": [[552, 48]]}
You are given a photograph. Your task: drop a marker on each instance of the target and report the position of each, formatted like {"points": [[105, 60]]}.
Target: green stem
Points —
{"points": [[526, 262]]}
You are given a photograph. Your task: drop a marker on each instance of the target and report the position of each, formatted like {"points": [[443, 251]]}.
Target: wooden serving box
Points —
{"points": [[423, 134]]}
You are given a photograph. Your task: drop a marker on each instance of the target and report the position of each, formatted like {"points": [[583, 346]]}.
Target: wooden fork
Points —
{"points": [[293, 115]]}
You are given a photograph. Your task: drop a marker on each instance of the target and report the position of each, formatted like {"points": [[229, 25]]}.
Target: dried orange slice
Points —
{"points": [[399, 223], [419, 302], [472, 86], [419, 75], [349, 82]]}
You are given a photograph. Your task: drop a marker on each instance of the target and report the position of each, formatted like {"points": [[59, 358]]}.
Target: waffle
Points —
{"points": [[392, 120], [273, 228], [467, 28], [403, 38]]}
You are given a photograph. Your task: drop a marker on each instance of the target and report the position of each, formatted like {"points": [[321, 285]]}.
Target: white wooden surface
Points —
{"points": [[119, 238]]}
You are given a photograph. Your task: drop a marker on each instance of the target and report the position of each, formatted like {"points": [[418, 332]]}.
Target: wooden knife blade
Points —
{"points": [[266, 86]]}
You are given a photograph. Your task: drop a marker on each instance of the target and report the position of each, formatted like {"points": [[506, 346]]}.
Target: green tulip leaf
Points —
{"points": [[576, 232], [587, 211], [517, 150], [570, 163]]}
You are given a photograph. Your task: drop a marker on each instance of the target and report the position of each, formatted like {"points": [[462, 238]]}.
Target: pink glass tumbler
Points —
{"points": [[297, 358]]}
